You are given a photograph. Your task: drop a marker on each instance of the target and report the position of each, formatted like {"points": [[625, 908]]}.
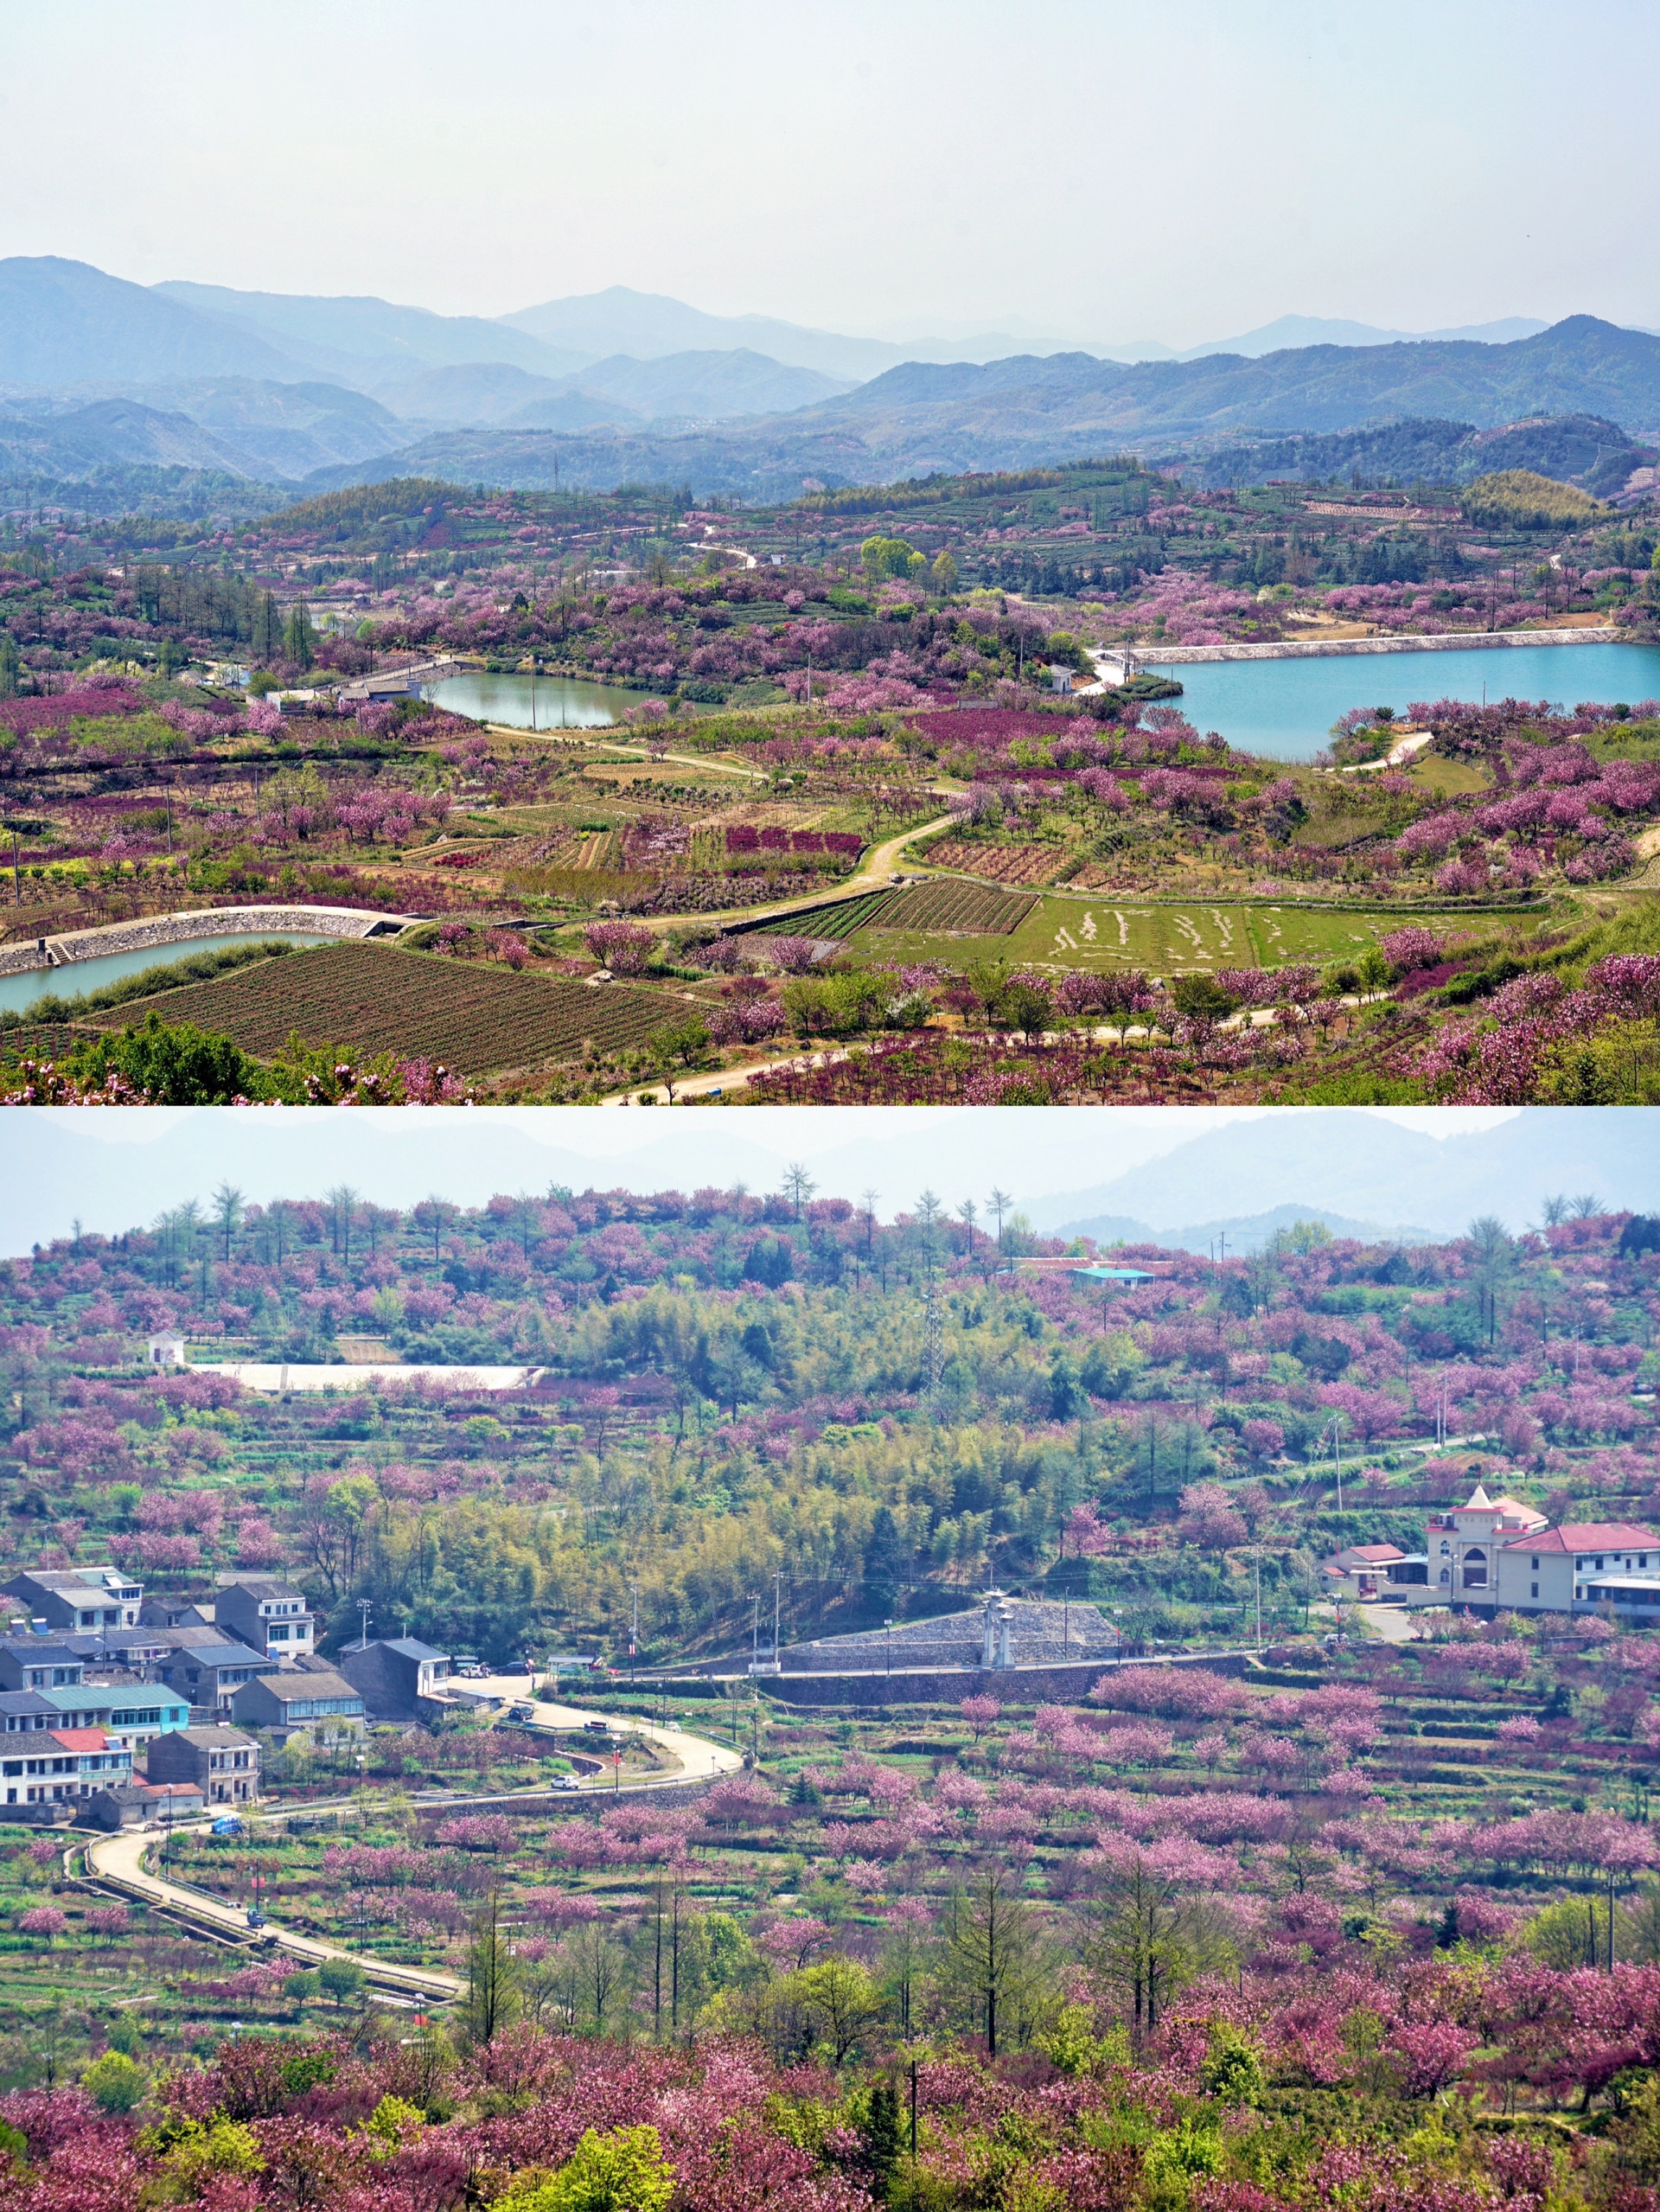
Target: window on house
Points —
{"points": [[1533, 1589]]}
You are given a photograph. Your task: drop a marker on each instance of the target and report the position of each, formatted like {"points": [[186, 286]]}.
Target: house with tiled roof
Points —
{"points": [[1582, 1567], [1495, 1555], [63, 1765], [1361, 1572], [1463, 1542]]}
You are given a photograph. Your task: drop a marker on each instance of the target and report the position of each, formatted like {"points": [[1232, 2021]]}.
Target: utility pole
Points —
{"points": [[633, 1628], [1257, 1562], [365, 1605]]}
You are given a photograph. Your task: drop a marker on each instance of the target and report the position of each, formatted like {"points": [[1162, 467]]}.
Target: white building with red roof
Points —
{"points": [[1581, 1567], [1496, 1555], [1464, 1544]]}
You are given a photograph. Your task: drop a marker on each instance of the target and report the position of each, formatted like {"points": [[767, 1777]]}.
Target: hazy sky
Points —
{"points": [[1113, 171]]}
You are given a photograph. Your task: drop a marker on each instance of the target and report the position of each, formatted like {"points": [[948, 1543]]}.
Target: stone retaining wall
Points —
{"points": [[163, 930], [946, 1685], [1310, 648]]}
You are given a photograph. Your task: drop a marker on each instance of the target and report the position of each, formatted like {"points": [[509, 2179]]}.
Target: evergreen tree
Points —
{"points": [[299, 638], [881, 2133]]}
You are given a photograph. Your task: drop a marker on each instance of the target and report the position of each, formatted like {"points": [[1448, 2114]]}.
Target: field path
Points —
{"points": [[117, 1861], [718, 1079], [641, 752], [879, 863]]}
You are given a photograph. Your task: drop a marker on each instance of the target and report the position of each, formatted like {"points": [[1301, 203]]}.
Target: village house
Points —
{"points": [[62, 1764], [268, 1613], [394, 1675], [1463, 1544], [222, 1761], [132, 1712], [207, 1667], [298, 1699], [1493, 1554], [1362, 1572], [79, 1597]]}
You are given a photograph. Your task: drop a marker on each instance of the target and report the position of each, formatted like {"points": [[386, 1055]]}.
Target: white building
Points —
{"points": [[1498, 1556], [167, 1349], [1464, 1544], [1581, 1567]]}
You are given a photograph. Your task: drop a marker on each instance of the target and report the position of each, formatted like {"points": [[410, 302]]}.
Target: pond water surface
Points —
{"points": [[19, 993], [525, 702], [1286, 708]]}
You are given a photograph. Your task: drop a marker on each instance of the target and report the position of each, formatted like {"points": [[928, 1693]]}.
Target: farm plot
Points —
{"points": [[955, 908], [372, 999], [1016, 864], [839, 919], [1105, 934]]}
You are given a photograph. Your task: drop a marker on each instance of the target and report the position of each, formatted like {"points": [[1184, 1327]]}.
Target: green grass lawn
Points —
{"points": [[1107, 933]]}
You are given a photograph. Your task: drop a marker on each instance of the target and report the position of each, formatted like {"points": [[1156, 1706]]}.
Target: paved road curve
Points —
{"points": [[118, 1861]]}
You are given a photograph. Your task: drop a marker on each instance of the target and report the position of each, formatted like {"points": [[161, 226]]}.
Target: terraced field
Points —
{"points": [[943, 908], [1104, 934], [959, 909], [1003, 863], [370, 999]]}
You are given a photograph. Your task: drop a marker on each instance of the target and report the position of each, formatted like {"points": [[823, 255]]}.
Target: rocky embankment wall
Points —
{"points": [[161, 930], [1312, 649]]}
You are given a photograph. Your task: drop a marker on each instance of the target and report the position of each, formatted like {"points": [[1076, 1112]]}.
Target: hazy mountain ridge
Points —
{"points": [[1584, 449], [1346, 1160], [620, 385], [1029, 411], [1339, 1164]]}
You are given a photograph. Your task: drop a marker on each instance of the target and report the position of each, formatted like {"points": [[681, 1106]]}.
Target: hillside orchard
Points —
{"points": [[1329, 1918]]}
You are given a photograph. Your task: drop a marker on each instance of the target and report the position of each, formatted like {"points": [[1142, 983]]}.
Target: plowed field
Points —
{"points": [[372, 999]]}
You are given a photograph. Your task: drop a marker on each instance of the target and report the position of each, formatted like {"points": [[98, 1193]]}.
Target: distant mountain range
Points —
{"points": [[1032, 410], [1584, 449], [1234, 1234], [1289, 331], [1345, 1163], [98, 374]]}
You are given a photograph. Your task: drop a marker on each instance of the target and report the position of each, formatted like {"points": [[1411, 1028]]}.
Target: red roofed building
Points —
{"points": [[66, 1763], [1581, 1567], [1496, 1555], [1364, 1571], [1464, 1544]]}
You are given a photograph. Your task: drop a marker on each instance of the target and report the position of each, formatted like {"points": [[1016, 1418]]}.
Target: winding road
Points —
{"points": [[116, 1863]]}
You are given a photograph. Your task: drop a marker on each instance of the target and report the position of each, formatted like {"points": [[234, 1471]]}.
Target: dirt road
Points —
{"points": [[118, 1861]]}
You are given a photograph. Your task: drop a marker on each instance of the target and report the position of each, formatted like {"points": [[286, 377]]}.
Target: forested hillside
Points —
{"points": [[1367, 1923], [730, 1384]]}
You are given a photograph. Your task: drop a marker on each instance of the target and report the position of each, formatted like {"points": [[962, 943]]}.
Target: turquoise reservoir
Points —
{"points": [[1286, 708]]}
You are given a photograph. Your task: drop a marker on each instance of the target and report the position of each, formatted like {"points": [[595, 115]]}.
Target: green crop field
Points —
{"points": [[1106, 933], [372, 999], [962, 909]]}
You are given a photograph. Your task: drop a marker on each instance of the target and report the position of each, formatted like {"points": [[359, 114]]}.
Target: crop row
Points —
{"points": [[372, 999], [969, 908], [1003, 863]]}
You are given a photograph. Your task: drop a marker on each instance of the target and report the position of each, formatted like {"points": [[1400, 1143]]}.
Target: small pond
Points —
{"points": [[1286, 708], [524, 702], [19, 993]]}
